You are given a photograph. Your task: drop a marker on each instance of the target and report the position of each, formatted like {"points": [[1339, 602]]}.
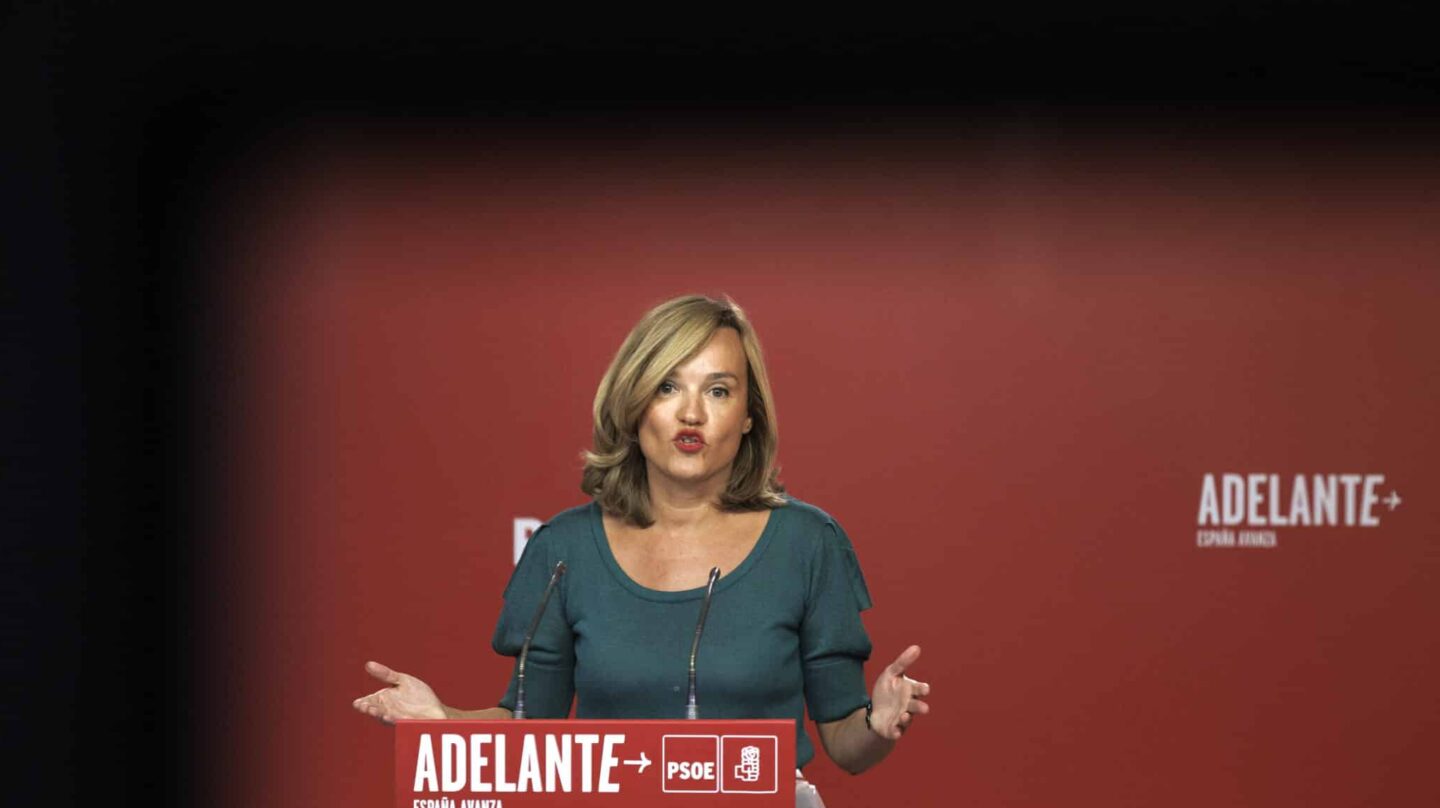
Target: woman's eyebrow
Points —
{"points": [[709, 377]]}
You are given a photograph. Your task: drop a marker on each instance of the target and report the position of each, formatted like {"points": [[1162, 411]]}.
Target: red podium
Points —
{"points": [[517, 764]]}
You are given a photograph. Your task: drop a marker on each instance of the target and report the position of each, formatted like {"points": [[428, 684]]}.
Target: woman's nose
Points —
{"points": [[692, 409]]}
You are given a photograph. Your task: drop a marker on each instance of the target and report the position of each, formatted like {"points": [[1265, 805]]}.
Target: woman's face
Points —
{"points": [[692, 431]]}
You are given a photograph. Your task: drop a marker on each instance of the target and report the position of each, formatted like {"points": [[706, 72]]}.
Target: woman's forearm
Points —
{"points": [[853, 746]]}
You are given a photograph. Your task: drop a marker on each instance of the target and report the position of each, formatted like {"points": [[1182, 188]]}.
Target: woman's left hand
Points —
{"points": [[897, 698]]}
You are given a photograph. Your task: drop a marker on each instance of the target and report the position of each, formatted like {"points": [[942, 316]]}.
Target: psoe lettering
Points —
{"points": [[690, 770]]}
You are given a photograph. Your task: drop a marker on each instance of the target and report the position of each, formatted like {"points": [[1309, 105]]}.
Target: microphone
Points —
{"points": [[692, 710], [530, 636]]}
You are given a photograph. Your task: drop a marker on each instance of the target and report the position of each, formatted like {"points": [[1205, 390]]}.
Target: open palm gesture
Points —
{"points": [[897, 698], [403, 697]]}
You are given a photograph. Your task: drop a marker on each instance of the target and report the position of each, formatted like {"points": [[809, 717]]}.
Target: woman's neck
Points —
{"points": [[681, 507]]}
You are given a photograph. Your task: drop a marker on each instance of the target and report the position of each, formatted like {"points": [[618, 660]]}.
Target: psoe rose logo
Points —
{"points": [[1242, 510]]}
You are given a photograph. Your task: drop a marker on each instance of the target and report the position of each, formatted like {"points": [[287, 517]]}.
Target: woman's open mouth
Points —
{"points": [[689, 442]]}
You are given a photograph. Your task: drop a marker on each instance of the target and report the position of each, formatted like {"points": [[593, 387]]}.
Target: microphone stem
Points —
{"points": [[530, 637], [692, 710]]}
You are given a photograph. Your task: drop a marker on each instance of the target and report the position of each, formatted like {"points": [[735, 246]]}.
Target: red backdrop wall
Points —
{"points": [[1004, 359]]}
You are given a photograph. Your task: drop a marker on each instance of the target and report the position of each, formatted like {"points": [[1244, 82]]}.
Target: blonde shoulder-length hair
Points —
{"points": [[667, 336]]}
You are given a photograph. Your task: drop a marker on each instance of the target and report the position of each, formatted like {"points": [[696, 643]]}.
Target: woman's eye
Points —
{"points": [[719, 392], [666, 387]]}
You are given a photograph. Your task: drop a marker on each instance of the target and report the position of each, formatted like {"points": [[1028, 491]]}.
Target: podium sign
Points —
{"points": [[518, 764]]}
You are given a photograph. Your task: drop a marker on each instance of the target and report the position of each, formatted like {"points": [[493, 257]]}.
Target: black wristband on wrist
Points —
{"points": [[869, 708]]}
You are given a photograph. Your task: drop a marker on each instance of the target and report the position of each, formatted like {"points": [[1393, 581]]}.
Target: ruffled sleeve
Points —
{"points": [[550, 668], [833, 642]]}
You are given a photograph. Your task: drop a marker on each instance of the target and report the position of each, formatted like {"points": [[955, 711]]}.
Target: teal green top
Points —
{"points": [[783, 634]]}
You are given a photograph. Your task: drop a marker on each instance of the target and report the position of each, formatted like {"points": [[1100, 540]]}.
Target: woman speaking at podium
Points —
{"points": [[682, 477]]}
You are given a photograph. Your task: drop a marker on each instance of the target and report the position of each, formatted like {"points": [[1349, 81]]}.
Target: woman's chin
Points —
{"points": [[692, 474]]}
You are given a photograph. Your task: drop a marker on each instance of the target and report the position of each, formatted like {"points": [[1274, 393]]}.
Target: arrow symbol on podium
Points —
{"points": [[642, 763]]}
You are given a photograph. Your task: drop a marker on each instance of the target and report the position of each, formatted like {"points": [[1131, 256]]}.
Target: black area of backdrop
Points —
{"points": [[121, 121]]}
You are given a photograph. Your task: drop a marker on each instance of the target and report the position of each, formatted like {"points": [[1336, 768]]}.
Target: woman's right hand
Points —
{"points": [[404, 697]]}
